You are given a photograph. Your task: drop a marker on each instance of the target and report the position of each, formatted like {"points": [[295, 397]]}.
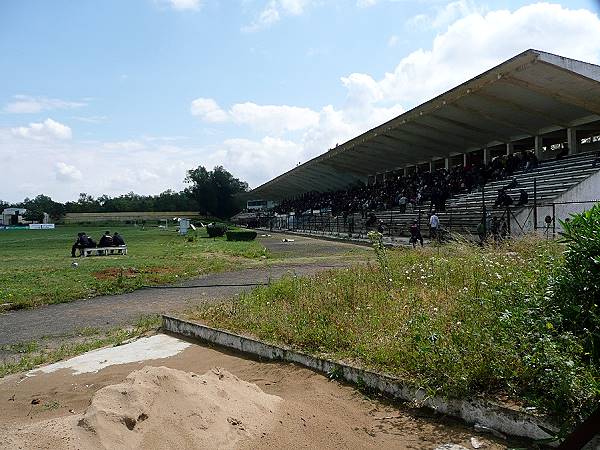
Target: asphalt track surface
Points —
{"points": [[65, 319]]}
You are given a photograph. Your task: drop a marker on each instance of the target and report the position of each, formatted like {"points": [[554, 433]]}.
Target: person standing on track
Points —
{"points": [[434, 225], [415, 234]]}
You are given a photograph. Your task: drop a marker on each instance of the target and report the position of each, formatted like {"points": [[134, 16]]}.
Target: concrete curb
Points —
{"points": [[484, 413]]}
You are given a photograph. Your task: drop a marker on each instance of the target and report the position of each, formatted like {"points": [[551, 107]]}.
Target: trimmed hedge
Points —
{"points": [[241, 235], [216, 229]]}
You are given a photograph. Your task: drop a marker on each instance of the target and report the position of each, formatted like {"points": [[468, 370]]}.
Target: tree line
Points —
{"points": [[211, 193]]}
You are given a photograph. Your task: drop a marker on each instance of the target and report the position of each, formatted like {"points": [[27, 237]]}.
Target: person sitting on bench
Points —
{"points": [[81, 243], [118, 240], [106, 240]]}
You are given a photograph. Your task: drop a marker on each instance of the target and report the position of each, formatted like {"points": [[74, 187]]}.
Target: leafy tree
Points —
{"points": [[42, 204], [215, 190], [4, 205], [34, 215]]}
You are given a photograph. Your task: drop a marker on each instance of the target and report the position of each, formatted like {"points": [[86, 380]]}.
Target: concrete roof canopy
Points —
{"points": [[531, 94]]}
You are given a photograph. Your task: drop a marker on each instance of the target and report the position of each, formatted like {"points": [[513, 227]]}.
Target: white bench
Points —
{"points": [[103, 251]]}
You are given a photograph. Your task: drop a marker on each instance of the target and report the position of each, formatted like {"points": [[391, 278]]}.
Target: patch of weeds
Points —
{"points": [[25, 347], [149, 322], [51, 405], [87, 331], [335, 373]]}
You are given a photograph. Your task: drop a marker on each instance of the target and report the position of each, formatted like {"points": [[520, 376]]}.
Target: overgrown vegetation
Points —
{"points": [[576, 290], [456, 320], [36, 268]]}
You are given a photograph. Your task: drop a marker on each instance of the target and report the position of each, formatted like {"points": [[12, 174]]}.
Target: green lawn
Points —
{"points": [[35, 265]]}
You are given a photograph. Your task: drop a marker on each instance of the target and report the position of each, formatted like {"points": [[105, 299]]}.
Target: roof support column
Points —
{"points": [[447, 163], [486, 156], [430, 166], [538, 146], [510, 148], [572, 141], [405, 171], [465, 160]]}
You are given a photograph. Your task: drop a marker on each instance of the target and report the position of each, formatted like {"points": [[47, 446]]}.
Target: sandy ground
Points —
{"points": [[313, 412]]}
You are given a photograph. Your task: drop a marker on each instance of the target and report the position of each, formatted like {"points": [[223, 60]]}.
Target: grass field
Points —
{"points": [[35, 265], [456, 320]]}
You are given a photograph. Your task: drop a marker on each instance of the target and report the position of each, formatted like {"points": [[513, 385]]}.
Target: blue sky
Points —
{"points": [[156, 87]]}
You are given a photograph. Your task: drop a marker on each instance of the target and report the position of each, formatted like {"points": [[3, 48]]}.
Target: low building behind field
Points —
{"points": [[128, 217], [12, 216]]}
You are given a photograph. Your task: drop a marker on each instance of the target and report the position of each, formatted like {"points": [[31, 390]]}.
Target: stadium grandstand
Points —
{"points": [[515, 148]]}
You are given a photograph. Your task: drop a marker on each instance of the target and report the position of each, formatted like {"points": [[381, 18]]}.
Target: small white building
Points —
{"points": [[12, 216]]}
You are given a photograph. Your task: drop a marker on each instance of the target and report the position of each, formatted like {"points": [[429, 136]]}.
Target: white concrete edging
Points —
{"points": [[476, 411]]}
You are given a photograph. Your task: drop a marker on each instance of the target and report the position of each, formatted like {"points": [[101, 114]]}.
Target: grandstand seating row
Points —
{"points": [[464, 211]]}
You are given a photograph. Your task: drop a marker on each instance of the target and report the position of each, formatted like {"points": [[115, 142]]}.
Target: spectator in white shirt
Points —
{"points": [[434, 224]]}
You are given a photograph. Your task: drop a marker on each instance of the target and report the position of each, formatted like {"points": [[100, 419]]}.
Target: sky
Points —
{"points": [[114, 96]]}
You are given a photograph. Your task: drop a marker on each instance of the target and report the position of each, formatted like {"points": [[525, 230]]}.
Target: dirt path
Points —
{"points": [[118, 310], [314, 412]]}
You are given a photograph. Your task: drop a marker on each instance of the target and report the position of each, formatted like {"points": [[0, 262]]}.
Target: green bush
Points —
{"points": [[241, 235], [576, 291], [216, 229]]}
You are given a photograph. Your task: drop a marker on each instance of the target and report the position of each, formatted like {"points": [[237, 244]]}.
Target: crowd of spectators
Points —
{"points": [[419, 188]]}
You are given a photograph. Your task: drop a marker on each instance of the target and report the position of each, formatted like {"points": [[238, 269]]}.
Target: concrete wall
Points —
{"points": [[588, 189], [473, 411]]}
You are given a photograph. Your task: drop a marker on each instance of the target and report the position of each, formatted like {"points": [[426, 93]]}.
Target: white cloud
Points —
{"points": [[66, 173], [63, 168], [129, 145], [272, 118], [393, 40], [255, 161], [43, 131], [274, 10], [445, 14], [91, 119], [182, 5], [492, 38], [25, 104], [208, 110]]}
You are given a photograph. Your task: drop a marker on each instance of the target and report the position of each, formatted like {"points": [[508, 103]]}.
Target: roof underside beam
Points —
{"points": [[493, 118], [566, 99], [430, 142], [486, 134], [436, 131], [420, 146], [521, 107]]}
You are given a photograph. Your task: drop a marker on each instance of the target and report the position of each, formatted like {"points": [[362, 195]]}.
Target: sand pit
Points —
{"points": [[158, 407], [43, 409]]}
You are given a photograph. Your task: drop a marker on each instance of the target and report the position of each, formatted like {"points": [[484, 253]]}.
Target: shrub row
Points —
{"points": [[241, 235]]}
